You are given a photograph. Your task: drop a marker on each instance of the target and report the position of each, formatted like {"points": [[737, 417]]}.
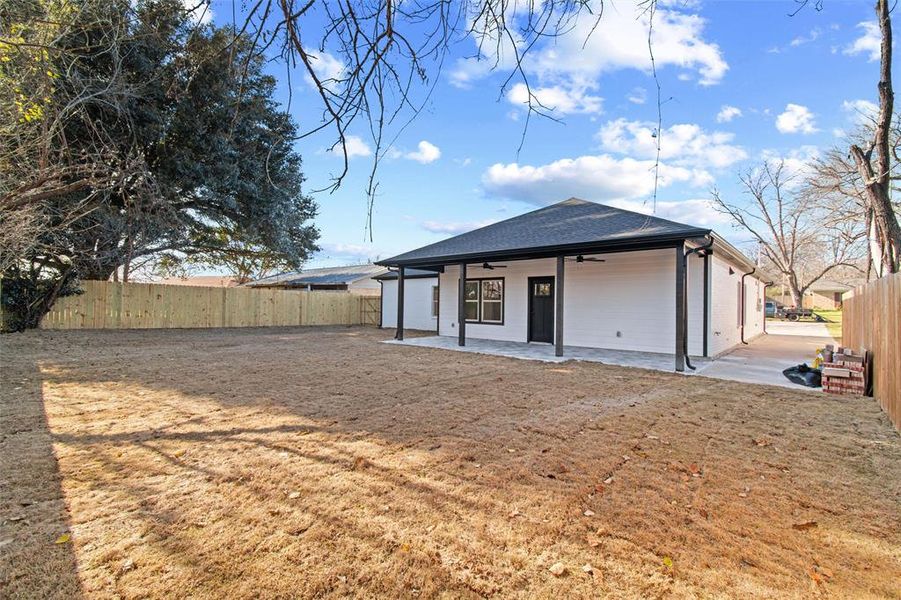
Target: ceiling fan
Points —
{"points": [[581, 258], [488, 267]]}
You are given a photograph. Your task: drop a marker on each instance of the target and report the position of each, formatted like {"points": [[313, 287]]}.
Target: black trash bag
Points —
{"points": [[804, 375]]}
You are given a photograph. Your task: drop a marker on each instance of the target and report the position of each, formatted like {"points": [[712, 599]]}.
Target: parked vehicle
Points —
{"points": [[770, 309], [796, 314]]}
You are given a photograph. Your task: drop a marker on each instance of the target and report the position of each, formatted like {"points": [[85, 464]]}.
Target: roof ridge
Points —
{"points": [[573, 220]]}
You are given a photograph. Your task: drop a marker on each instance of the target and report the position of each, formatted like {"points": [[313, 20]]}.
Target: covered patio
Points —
{"points": [[760, 362], [657, 361]]}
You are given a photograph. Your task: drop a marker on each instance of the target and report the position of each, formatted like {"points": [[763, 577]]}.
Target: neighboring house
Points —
{"points": [[200, 281], [583, 274], [421, 299], [823, 294], [357, 279]]}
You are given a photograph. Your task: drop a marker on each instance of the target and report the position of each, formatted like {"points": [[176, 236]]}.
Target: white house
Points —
{"points": [[356, 279], [583, 274], [421, 299]]}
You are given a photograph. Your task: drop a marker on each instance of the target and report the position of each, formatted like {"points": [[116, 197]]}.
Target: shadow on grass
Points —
{"points": [[411, 465], [33, 512]]}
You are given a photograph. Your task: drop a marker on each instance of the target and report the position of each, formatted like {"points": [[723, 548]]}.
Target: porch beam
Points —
{"points": [[558, 313], [461, 307], [680, 307], [399, 334]]}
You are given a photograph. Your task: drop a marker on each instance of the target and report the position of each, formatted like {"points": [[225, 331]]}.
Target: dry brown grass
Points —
{"points": [[317, 462]]}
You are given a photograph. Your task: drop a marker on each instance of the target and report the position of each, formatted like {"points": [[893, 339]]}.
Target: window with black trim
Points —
{"points": [[434, 300], [484, 301], [542, 289]]}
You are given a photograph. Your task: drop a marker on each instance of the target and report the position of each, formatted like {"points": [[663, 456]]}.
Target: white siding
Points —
{"points": [[754, 301], [364, 285], [417, 303], [626, 302], [725, 330], [695, 299]]}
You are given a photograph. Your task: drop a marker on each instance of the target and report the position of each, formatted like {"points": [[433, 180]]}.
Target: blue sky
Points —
{"points": [[747, 82]]}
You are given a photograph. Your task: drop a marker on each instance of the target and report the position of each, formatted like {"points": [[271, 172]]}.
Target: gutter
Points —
{"points": [[652, 242], [751, 272], [700, 251]]}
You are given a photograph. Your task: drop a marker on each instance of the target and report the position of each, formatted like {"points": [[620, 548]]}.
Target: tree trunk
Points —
{"points": [[797, 296], [796, 291], [876, 177]]}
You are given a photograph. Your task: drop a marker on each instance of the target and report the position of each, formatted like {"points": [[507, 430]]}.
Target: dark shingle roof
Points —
{"points": [[568, 224], [323, 276]]}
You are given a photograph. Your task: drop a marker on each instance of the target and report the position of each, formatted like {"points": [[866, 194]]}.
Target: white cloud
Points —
{"points": [[868, 43], [727, 113], [569, 67], [329, 70], [797, 161], [355, 145], [594, 177], [811, 37], [638, 95], [861, 111], [683, 144], [561, 100], [698, 212], [455, 228], [427, 153], [620, 42], [796, 119], [199, 11]]}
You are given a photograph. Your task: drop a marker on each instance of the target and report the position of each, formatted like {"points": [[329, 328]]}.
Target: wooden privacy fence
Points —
{"points": [[871, 319], [110, 305]]}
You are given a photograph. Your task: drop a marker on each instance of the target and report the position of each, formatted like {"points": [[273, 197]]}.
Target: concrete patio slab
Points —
{"points": [[763, 360], [545, 352], [799, 328]]}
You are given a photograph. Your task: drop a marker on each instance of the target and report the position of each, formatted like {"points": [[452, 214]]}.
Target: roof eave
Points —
{"points": [[721, 246], [619, 245]]}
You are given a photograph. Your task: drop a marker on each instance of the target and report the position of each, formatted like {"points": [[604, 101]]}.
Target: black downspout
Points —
{"points": [[751, 272], [685, 255]]}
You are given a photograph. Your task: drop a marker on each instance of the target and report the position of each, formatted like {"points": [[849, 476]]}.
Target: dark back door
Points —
{"points": [[541, 309]]}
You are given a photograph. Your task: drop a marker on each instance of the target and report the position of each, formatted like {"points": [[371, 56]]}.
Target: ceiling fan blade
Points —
{"points": [[581, 258]]}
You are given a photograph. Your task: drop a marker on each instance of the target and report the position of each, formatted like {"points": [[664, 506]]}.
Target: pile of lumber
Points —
{"points": [[846, 371]]}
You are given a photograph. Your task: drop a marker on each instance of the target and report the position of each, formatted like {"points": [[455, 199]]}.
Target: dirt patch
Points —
{"points": [[318, 462]]}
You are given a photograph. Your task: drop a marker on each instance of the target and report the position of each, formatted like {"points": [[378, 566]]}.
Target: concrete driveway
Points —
{"points": [[764, 359], [799, 328]]}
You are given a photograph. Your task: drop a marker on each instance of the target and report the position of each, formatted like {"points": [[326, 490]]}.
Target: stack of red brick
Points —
{"points": [[845, 371]]}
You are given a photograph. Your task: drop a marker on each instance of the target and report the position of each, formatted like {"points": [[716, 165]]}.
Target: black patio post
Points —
{"points": [[680, 307], [399, 335], [558, 325], [461, 307]]}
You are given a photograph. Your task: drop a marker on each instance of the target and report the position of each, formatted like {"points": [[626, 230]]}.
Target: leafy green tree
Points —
{"points": [[230, 254], [146, 134]]}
